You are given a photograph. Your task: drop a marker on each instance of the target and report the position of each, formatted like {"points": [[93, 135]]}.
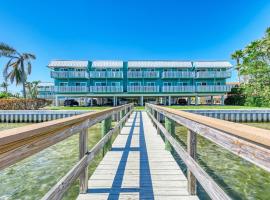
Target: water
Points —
{"points": [[34, 176], [239, 178]]}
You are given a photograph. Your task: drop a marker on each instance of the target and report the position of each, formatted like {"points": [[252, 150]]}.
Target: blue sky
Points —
{"points": [[130, 29]]}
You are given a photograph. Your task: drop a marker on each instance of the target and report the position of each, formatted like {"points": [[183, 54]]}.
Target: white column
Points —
{"points": [[169, 100], [189, 100], [56, 100], [141, 101], [196, 100], [114, 101], [85, 101], [212, 100], [91, 101], [222, 100]]}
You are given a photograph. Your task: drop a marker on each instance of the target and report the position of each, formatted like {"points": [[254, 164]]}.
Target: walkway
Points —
{"points": [[138, 167]]}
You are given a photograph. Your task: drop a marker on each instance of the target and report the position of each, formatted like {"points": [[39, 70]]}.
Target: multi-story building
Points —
{"points": [[117, 82], [46, 91]]}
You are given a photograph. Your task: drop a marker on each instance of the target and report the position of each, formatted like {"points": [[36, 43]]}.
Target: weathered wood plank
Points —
{"points": [[83, 149], [212, 189], [191, 149]]}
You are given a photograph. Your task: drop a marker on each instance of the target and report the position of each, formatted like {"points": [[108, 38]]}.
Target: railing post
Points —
{"points": [[170, 127], [83, 148], [192, 149], [105, 128], [158, 119]]}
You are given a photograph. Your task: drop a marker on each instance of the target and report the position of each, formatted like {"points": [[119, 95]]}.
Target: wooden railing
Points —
{"points": [[19, 143], [249, 143]]}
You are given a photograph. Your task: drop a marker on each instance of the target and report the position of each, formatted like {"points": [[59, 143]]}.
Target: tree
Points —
{"points": [[237, 55], [15, 70], [32, 89], [254, 62], [4, 85]]}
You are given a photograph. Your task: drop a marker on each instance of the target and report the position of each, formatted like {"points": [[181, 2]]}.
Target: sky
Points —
{"points": [[129, 29]]}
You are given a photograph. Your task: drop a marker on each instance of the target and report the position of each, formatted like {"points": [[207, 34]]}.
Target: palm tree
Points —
{"points": [[4, 85], [32, 89], [237, 55], [15, 67]]}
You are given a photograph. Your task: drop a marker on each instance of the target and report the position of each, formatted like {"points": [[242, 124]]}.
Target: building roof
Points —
{"points": [[159, 64], [107, 64], [212, 64], [68, 63]]}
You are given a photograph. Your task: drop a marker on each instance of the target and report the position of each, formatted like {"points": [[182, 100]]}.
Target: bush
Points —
{"points": [[236, 97], [23, 104]]}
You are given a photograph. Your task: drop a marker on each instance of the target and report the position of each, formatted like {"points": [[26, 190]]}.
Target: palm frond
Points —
{"points": [[6, 50]]}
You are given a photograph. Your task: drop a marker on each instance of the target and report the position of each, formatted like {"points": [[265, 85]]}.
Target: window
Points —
{"points": [[135, 83], [201, 83], [150, 84], [100, 84], [218, 83], [167, 84], [63, 69], [80, 84], [63, 84], [181, 83], [115, 83]]}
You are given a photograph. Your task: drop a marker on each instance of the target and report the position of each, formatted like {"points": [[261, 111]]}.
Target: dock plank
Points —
{"points": [[138, 167]]}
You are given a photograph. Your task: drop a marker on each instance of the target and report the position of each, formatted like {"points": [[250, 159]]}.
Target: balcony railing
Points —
{"points": [[45, 88], [177, 74], [72, 89], [143, 74], [213, 88], [104, 74], [173, 89], [144, 89], [111, 74], [69, 74], [106, 89], [45, 96], [213, 74]]}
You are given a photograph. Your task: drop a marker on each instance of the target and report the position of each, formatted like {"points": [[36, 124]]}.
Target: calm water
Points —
{"points": [[239, 178], [34, 176]]}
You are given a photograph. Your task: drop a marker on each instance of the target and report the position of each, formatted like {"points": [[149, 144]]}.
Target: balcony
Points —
{"points": [[104, 74], [142, 89], [176, 89], [69, 74], [213, 74], [97, 74], [106, 89], [72, 89], [45, 88], [178, 74], [213, 88], [112, 74], [143, 74], [45, 96], [135, 74]]}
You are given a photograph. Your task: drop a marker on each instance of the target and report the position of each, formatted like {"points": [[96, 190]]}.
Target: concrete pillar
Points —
{"points": [[141, 101], [85, 101], [196, 100], [212, 100], [91, 101], [169, 100], [114, 101], [222, 100], [189, 100]]}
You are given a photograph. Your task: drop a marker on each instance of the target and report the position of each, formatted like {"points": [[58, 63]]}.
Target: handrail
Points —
{"points": [[19, 143], [247, 142]]}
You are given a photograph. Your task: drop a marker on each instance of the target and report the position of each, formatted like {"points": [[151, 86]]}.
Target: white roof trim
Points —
{"points": [[68, 63], [212, 64], [107, 64], [159, 64], [45, 84]]}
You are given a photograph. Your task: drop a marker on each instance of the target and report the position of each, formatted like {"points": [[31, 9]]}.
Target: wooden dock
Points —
{"points": [[138, 167]]}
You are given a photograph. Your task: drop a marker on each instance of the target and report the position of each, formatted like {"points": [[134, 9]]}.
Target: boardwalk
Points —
{"points": [[137, 167]]}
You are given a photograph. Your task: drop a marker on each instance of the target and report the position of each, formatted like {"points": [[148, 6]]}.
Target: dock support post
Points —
{"points": [[170, 127], [83, 148], [192, 149], [105, 128]]}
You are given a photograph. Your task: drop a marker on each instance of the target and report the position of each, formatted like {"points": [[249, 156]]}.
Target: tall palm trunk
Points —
{"points": [[23, 80]]}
